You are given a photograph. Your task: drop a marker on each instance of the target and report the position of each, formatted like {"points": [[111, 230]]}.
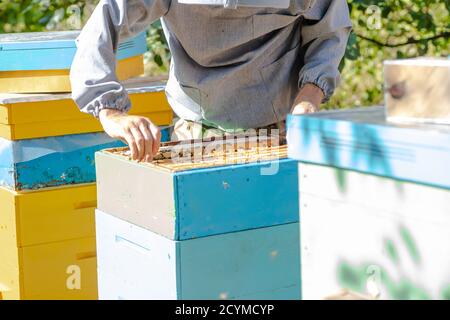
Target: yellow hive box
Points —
{"points": [[47, 243], [28, 116], [36, 81]]}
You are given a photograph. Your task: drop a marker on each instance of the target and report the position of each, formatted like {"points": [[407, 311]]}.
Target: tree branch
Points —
{"points": [[410, 41]]}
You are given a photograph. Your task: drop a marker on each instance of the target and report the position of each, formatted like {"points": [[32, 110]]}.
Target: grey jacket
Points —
{"points": [[231, 68]]}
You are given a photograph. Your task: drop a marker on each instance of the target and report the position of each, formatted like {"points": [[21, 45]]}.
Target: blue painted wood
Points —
{"points": [[6, 163], [362, 140], [53, 50], [201, 202], [233, 198], [55, 161], [135, 263]]}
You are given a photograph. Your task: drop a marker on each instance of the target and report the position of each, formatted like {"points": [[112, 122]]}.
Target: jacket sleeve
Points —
{"points": [[325, 33], [93, 73]]}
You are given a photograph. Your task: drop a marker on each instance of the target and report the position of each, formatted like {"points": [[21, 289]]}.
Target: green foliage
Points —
{"points": [[41, 15], [383, 29], [158, 57], [388, 29]]}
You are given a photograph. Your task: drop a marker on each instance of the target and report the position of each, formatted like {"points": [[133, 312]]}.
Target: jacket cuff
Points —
{"points": [[119, 102], [322, 83]]}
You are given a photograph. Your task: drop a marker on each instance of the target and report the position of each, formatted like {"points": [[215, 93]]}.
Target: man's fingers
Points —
{"points": [[129, 138], [146, 132], [140, 142], [304, 108], [156, 133]]}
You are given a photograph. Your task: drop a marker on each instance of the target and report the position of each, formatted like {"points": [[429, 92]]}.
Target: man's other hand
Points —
{"points": [[308, 99], [141, 135]]}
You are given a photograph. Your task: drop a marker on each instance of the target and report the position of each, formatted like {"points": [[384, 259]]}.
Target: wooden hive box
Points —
{"points": [[221, 227], [374, 205], [28, 116], [53, 161], [46, 237], [190, 200], [134, 263], [418, 90], [40, 62]]}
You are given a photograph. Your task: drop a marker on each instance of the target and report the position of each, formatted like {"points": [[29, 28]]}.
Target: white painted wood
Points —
{"points": [[355, 226], [414, 201], [135, 263], [123, 248]]}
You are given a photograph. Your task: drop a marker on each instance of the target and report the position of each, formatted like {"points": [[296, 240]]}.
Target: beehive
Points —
{"points": [[362, 139], [27, 116], [53, 161], [374, 205], [40, 62], [43, 234], [213, 222], [410, 98], [200, 197], [134, 263]]}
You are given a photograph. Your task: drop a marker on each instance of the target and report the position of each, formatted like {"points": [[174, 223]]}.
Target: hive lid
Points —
{"points": [[53, 50], [363, 140], [133, 86]]}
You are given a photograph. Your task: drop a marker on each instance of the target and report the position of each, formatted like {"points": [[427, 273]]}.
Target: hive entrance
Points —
{"points": [[214, 152]]}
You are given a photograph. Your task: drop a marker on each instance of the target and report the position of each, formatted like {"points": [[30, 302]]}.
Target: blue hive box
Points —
{"points": [[53, 161], [52, 50], [190, 200], [134, 263], [374, 199], [199, 222], [362, 140]]}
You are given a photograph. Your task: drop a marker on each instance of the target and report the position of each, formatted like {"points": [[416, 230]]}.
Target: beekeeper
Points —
{"points": [[236, 64]]}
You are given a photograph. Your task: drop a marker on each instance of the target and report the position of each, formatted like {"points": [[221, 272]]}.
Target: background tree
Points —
{"points": [[383, 29]]}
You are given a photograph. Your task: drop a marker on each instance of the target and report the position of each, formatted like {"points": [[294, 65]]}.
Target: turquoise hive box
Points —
{"points": [[363, 140], [374, 205], [192, 202], [134, 263], [52, 50], [40, 62], [215, 227], [53, 161]]}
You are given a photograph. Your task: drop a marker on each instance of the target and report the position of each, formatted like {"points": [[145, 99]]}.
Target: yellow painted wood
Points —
{"points": [[52, 271], [4, 114], [41, 234], [130, 67], [47, 215], [10, 280], [75, 126], [9, 255], [58, 110], [46, 129], [39, 81]]}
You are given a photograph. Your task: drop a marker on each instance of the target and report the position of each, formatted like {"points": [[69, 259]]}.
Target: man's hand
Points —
{"points": [[308, 99], [141, 135]]}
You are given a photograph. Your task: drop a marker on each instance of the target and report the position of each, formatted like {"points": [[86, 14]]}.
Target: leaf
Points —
{"points": [[158, 60]]}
